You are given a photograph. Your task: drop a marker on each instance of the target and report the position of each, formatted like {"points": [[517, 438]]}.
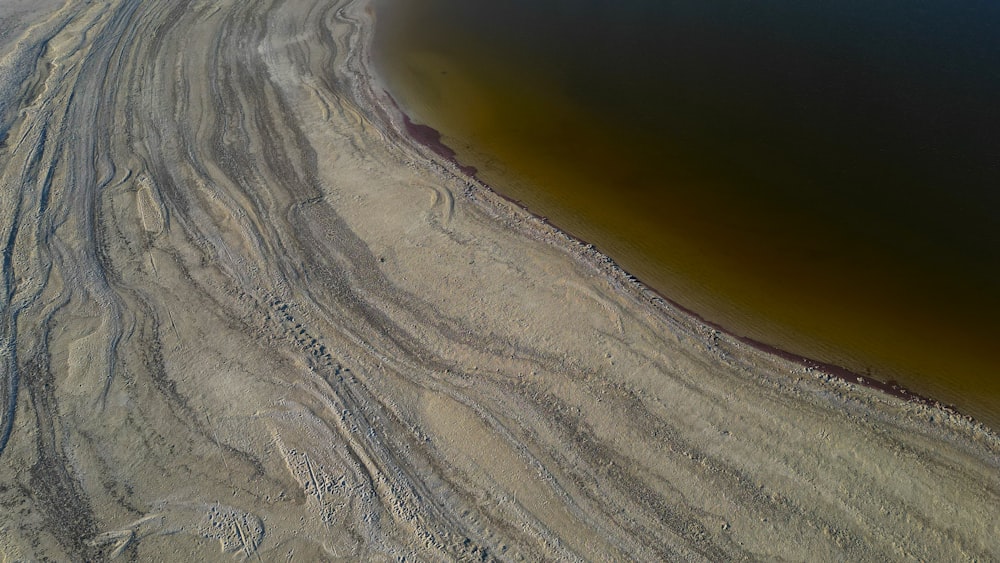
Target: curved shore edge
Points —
{"points": [[431, 139], [245, 315]]}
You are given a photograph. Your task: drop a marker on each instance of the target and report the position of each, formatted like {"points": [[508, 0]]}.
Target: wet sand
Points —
{"points": [[247, 314]]}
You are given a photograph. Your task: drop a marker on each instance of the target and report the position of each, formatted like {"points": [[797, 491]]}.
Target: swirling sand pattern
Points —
{"points": [[244, 316]]}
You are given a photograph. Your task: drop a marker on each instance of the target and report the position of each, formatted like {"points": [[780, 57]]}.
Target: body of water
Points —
{"points": [[820, 176]]}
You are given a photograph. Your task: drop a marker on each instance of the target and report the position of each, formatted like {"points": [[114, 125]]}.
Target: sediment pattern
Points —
{"points": [[244, 316]]}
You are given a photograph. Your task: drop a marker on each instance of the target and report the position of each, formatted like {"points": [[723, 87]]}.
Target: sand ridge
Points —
{"points": [[245, 316]]}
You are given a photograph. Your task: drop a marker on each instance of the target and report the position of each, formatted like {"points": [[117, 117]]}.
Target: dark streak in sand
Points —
{"points": [[431, 138]]}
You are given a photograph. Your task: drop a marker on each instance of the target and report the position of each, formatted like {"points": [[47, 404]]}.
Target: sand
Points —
{"points": [[245, 316]]}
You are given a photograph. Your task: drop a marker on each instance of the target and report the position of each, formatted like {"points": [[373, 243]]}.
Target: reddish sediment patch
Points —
{"points": [[431, 138]]}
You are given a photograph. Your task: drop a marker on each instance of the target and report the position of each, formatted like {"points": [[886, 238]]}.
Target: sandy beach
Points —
{"points": [[246, 315]]}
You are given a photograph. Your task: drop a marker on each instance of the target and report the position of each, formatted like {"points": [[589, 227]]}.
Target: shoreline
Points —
{"points": [[430, 139], [252, 317]]}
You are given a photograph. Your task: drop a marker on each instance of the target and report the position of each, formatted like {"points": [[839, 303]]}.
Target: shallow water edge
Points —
{"points": [[925, 327]]}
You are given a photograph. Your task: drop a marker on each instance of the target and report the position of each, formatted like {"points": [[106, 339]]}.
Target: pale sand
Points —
{"points": [[244, 316]]}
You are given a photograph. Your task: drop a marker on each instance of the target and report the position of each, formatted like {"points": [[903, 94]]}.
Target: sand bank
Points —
{"points": [[245, 314]]}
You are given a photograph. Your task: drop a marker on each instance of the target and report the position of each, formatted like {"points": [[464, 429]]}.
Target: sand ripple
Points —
{"points": [[244, 315]]}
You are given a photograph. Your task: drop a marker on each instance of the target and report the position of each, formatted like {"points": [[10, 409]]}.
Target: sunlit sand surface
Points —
{"points": [[245, 316]]}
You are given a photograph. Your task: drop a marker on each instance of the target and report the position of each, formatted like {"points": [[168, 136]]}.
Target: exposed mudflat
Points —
{"points": [[245, 316]]}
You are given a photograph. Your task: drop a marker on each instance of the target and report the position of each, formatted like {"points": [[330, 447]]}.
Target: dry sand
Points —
{"points": [[244, 317]]}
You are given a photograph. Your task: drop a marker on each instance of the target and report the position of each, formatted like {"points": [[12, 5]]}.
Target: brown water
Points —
{"points": [[823, 179]]}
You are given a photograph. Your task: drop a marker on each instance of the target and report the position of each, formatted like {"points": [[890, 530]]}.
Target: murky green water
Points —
{"points": [[824, 178]]}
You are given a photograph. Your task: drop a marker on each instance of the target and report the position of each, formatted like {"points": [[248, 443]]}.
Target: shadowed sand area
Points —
{"points": [[244, 315]]}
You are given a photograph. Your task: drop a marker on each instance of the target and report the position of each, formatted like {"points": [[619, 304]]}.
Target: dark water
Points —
{"points": [[822, 176]]}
